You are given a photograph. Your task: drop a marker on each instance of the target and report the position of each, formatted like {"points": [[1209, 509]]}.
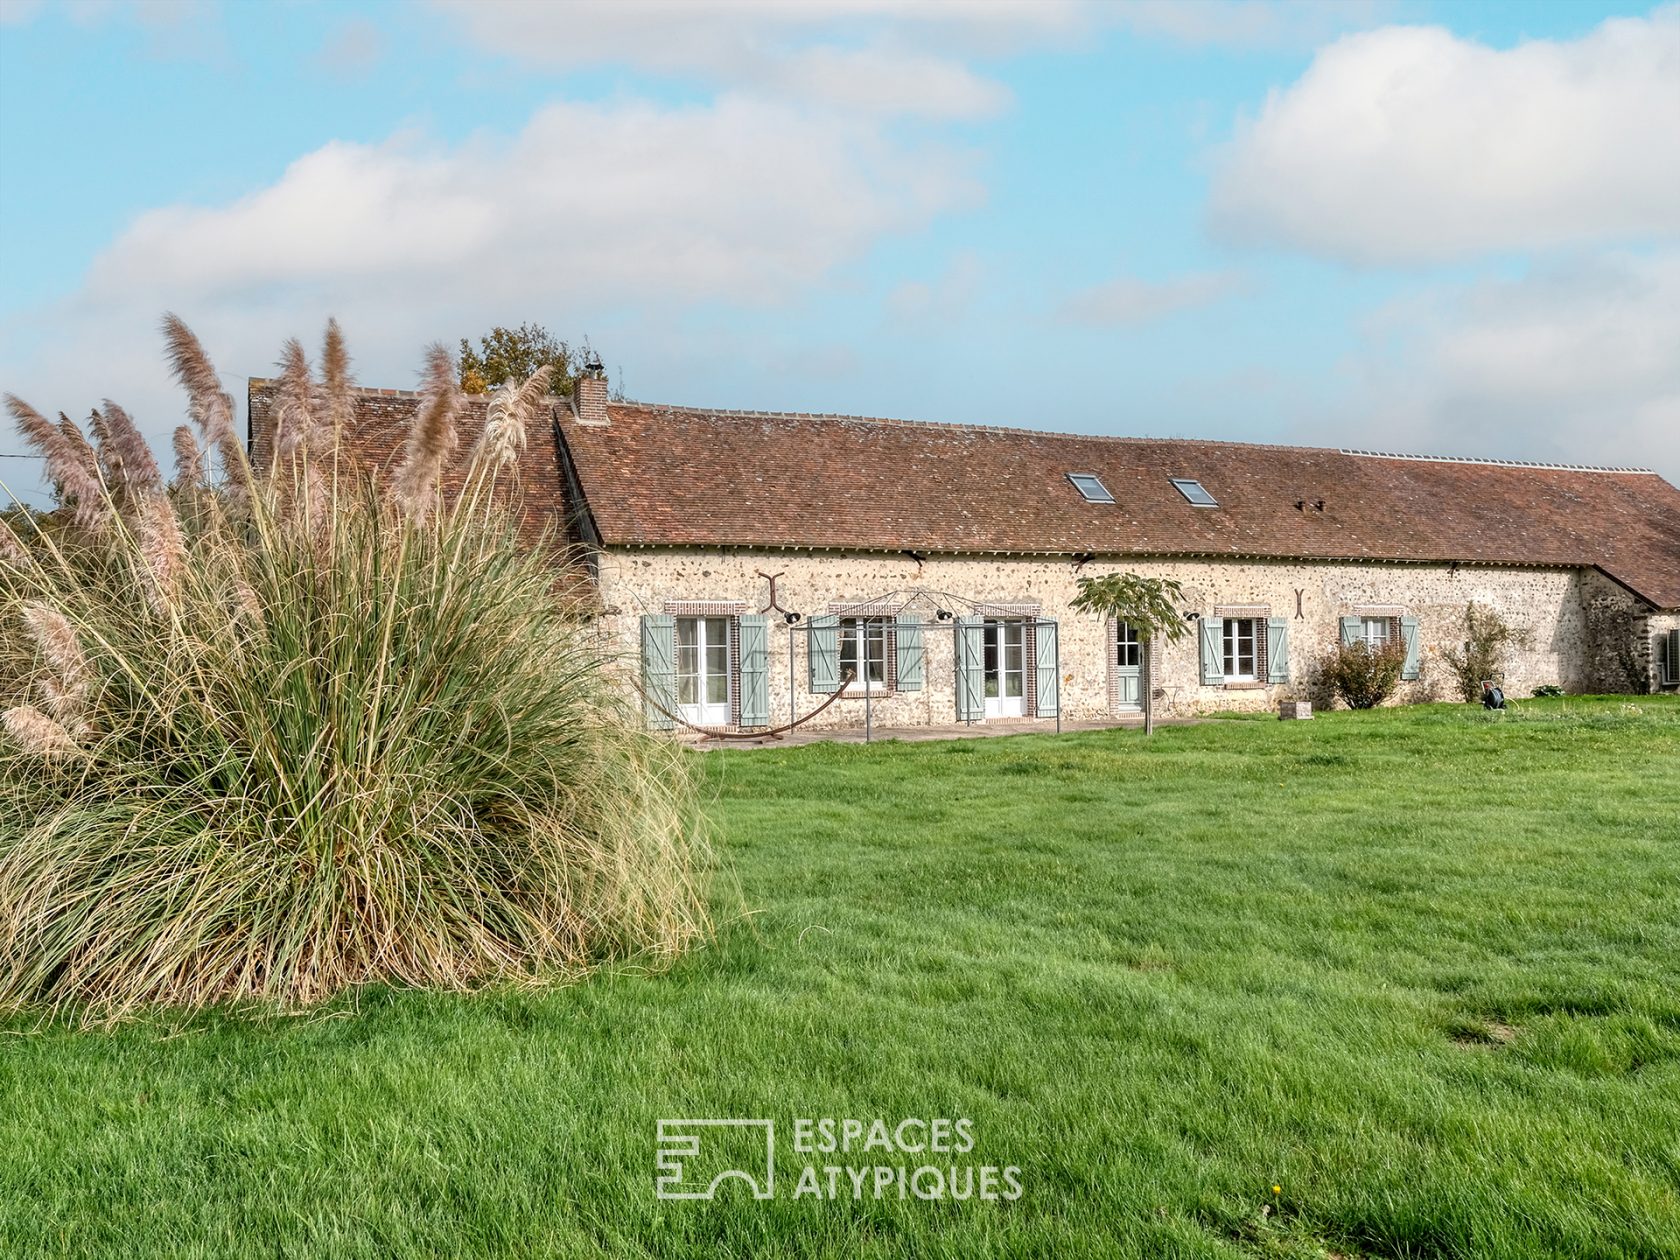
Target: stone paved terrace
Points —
{"points": [[951, 730]]}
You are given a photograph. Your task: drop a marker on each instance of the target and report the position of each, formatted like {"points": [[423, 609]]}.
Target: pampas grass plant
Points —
{"points": [[262, 745]]}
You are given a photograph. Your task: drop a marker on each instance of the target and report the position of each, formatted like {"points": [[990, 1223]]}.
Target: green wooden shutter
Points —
{"points": [[909, 663], [1047, 668], [659, 668], [1350, 631], [971, 665], [1409, 633], [823, 649], [1213, 651], [755, 669], [1277, 650], [1670, 645]]}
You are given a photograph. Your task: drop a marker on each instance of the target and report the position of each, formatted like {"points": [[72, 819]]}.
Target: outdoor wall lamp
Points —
{"points": [[942, 614], [792, 618]]}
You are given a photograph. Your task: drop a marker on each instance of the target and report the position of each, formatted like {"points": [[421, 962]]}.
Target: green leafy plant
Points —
{"points": [[1548, 689], [516, 354], [1361, 675], [1150, 605], [1488, 638], [280, 734]]}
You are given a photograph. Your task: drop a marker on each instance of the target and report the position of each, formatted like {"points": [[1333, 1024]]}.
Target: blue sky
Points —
{"points": [[1407, 226]]}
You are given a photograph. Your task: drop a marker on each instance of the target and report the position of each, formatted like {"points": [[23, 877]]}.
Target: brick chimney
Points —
{"points": [[589, 394]]}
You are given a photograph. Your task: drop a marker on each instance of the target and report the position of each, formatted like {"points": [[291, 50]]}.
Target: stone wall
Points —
{"points": [[1651, 629], [1567, 617], [1617, 659]]}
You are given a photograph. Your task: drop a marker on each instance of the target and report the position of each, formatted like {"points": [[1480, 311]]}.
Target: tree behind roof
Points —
{"points": [[514, 354]]}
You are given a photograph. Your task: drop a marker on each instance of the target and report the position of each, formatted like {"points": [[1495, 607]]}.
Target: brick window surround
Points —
{"points": [[888, 615], [731, 609], [1261, 615]]}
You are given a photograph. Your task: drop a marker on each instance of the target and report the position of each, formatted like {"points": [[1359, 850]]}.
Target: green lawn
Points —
{"points": [[1418, 969]]}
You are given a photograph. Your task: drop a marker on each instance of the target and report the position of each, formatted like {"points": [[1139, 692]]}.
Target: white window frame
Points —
{"points": [[704, 712], [1230, 649], [1009, 633], [1126, 637], [1376, 633], [873, 633]]}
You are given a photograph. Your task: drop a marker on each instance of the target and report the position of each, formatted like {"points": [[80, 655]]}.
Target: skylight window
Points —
{"points": [[1195, 492], [1090, 485]]}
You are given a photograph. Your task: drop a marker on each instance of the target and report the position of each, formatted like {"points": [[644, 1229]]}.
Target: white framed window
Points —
{"points": [[863, 650], [1374, 631], [703, 670], [1240, 639], [1128, 647]]}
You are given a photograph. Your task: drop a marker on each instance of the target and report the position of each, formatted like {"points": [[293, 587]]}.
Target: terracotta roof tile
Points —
{"points": [[672, 476], [676, 476], [376, 442]]}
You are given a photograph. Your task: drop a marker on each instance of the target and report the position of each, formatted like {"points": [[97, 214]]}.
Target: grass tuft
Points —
{"points": [[287, 751]]}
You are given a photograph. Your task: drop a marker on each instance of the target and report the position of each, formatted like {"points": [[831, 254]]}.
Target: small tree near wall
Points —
{"points": [[1487, 639], [1149, 605]]}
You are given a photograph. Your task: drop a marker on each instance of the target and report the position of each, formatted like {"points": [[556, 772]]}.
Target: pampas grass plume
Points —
{"points": [[432, 438], [36, 733]]}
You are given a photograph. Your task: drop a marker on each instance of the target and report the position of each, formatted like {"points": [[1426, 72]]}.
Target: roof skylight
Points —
{"points": [[1090, 485], [1195, 492]]}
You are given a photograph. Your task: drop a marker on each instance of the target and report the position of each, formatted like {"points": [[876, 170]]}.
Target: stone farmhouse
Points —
{"points": [[750, 561]]}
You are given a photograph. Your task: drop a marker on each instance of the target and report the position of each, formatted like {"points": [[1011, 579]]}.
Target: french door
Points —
{"points": [[1128, 666], [703, 670], [1005, 650]]}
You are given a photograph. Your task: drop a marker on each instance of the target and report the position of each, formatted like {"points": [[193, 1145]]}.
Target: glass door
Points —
{"points": [[1128, 670], [1005, 668], [703, 670]]}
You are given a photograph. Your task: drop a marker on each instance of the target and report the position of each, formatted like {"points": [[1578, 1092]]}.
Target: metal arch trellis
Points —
{"points": [[944, 606]]}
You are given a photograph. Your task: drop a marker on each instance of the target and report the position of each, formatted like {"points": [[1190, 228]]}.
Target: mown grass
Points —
{"points": [[1419, 969]]}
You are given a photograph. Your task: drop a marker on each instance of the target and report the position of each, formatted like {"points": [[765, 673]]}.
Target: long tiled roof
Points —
{"points": [[674, 476], [668, 476]]}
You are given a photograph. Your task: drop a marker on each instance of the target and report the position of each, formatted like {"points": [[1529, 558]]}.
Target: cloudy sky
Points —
{"points": [[1404, 224]]}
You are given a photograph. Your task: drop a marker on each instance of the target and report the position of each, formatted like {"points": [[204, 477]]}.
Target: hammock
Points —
{"points": [[774, 732]]}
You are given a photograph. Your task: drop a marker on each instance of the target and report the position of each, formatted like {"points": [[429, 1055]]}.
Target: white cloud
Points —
{"points": [[94, 13], [1573, 362], [872, 57], [1409, 144], [1246, 23], [592, 211], [740, 200], [1131, 300], [912, 49]]}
